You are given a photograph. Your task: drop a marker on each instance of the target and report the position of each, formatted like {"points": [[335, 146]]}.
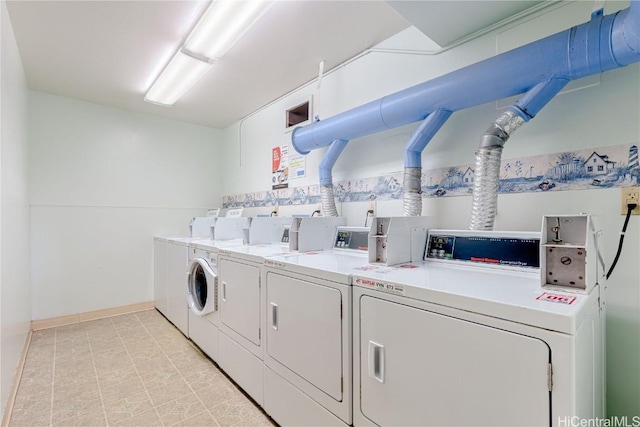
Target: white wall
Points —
{"points": [[104, 181], [606, 114], [15, 308]]}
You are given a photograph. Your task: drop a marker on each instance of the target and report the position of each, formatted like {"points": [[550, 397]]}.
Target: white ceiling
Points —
{"points": [[109, 52]]}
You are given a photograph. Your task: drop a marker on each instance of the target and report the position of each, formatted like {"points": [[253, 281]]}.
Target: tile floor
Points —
{"points": [[131, 370]]}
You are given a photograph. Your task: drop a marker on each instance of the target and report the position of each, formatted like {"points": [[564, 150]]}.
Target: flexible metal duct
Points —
{"points": [[602, 44], [412, 185], [326, 181]]}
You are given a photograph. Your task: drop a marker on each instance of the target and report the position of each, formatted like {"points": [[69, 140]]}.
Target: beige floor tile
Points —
{"points": [[204, 419], [29, 418], [33, 393], [42, 375], [146, 419], [128, 388], [70, 332], [128, 408], [42, 339], [116, 377], [144, 349], [112, 349], [135, 369], [240, 412], [105, 341], [152, 364], [180, 409], [92, 416], [79, 406], [190, 360], [202, 379], [87, 390], [42, 405], [220, 393], [132, 329], [162, 376], [39, 359], [75, 378], [168, 392]]}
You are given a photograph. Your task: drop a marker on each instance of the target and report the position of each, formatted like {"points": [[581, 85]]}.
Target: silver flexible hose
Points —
{"points": [[328, 200], [487, 171], [412, 192], [485, 188]]}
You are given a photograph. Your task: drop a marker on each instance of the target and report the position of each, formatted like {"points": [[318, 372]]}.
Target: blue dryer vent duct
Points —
{"points": [[539, 70]]}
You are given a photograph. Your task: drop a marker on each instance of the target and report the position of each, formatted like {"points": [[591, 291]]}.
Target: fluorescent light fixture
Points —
{"points": [[176, 79], [222, 24]]}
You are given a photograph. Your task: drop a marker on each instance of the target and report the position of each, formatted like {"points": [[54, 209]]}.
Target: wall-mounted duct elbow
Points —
{"points": [[412, 184], [327, 198], [489, 154], [487, 170]]}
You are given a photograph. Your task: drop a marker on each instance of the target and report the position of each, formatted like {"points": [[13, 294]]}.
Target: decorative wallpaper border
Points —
{"points": [[604, 167]]}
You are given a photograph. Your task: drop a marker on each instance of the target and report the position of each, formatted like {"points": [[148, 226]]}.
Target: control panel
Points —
{"points": [[504, 249], [285, 235], [352, 238]]}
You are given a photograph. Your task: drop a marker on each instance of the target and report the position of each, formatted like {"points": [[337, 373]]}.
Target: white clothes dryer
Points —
{"points": [[307, 355], [462, 343], [242, 314]]}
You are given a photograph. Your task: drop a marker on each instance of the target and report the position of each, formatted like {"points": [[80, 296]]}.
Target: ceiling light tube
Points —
{"points": [[176, 79], [222, 24]]}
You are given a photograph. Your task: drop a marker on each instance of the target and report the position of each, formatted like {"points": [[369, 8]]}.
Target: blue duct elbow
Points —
{"points": [[625, 35], [422, 136], [329, 160], [535, 99]]}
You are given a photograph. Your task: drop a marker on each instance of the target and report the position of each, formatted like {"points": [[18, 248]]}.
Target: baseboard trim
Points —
{"points": [[6, 417], [53, 322]]}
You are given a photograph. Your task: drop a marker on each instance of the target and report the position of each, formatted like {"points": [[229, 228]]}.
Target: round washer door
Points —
{"points": [[201, 287]]}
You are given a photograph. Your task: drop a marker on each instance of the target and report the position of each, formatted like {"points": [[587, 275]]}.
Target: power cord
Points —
{"points": [[630, 208], [317, 211]]}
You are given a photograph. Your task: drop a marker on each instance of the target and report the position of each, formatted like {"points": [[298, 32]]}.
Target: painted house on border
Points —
{"points": [[598, 165], [467, 177]]}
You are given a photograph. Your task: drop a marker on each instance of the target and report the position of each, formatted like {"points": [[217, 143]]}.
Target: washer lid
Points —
{"points": [[202, 287]]}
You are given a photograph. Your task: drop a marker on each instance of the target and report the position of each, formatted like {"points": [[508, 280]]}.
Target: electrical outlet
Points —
{"points": [[276, 209], [319, 209], [372, 207], [629, 195]]}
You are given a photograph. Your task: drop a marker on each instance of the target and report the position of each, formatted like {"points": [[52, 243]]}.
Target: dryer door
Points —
{"points": [[202, 287], [419, 367]]}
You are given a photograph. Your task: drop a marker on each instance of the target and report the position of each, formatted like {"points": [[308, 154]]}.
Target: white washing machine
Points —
{"points": [[448, 342], [170, 258], [308, 361], [202, 285]]}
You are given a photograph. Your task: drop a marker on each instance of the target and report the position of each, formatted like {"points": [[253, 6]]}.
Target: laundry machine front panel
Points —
{"points": [[240, 298], [177, 308], [160, 281], [305, 331], [423, 368]]}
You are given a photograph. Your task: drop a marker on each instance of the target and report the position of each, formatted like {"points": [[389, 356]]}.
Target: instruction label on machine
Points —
{"points": [[557, 298], [389, 288]]}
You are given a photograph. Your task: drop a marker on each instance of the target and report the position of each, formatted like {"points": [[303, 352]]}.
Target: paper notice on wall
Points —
{"points": [[297, 166], [280, 167]]}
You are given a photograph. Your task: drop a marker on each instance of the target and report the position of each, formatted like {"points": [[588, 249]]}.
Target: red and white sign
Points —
{"points": [[280, 167], [558, 298]]}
